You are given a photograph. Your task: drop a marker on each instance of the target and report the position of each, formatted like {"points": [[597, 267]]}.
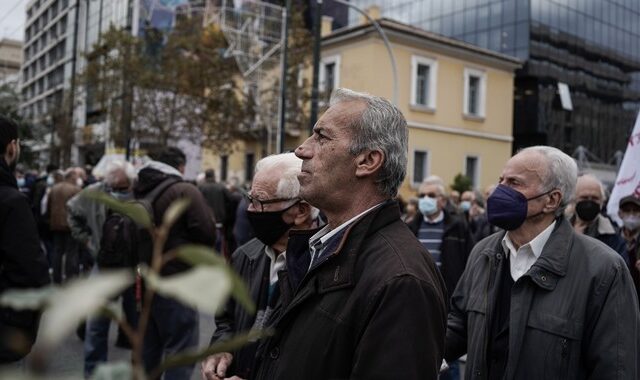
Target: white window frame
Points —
{"points": [[468, 73], [335, 59], [427, 165], [475, 182], [433, 81]]}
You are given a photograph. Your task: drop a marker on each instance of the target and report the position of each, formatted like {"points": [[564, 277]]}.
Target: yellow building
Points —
{"points": [[457, 99]]}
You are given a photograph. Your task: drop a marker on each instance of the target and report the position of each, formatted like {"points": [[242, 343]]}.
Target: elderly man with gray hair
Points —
{"points": [[588, 201], [539, 300], [86, 218], [361, 298], [275, 208]]}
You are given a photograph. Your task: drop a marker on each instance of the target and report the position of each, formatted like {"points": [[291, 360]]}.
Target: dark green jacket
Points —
{"points": [[574, 314]]}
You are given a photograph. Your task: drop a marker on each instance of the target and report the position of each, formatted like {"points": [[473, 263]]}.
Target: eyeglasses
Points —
{"points": [[430, 195], [259, 205]]}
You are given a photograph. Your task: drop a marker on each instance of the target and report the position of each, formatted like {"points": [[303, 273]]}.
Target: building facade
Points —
{"points": [[457, 99], [48, 56], [10, 61], [586, 50]]}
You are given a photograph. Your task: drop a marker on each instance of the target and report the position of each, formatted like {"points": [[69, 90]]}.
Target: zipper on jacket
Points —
{"points": [[494, 264]]}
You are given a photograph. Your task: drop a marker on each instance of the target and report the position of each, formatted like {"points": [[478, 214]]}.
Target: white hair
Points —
{"points": [[603, 190], [119, 166], [381, 126], [562, 173], [289, 166]]}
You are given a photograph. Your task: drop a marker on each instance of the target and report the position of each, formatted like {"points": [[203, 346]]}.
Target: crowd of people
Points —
{"points": [[529, 279]]}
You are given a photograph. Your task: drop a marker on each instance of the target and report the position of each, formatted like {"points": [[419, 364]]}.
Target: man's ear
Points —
{"points": [[554, 200], [10, 151], [369, 162], [303, 213]]}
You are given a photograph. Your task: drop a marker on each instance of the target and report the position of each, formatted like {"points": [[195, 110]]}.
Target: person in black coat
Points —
{"points": [[22, 262]]}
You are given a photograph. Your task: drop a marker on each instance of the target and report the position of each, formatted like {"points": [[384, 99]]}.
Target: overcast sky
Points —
{"points": [[12, 17]]}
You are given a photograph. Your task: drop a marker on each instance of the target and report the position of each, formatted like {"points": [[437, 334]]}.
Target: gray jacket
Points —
{"points": [[86, 217], [574, 314]]}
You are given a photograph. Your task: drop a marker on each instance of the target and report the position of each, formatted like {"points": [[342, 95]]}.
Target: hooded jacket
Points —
{"points": [[195, 226]]}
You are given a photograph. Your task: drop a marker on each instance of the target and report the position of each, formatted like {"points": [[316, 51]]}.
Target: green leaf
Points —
{"points": [[230, 345], [202, 255], [77, 300], [26, 299], [7, 373], [135, 211], [204, 287], [120, 370], [175, 211]]}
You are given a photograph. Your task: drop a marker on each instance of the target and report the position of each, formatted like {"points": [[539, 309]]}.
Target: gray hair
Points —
{"points": [[381, 126], [435, 180], [119, 166], [289, 166], [603, 189], [562, 173]]}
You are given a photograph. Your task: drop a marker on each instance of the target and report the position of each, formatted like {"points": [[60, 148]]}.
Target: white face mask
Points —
{"points": [[631, 222], [79, 182]]}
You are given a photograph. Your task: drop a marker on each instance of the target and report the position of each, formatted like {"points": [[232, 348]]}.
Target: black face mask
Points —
{"points": [[269, 226], [587, 210]]}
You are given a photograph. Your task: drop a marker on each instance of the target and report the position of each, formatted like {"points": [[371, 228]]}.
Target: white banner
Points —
{"points": [[628, 181]]}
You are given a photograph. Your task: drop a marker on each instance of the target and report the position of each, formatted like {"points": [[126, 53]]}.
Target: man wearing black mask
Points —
{"points": [[274, 209], [538, 300], [588, 219], [22, 263]]}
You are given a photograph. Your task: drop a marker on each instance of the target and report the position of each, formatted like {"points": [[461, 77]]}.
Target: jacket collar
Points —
{"points": [[553, 263], [337, 271]]}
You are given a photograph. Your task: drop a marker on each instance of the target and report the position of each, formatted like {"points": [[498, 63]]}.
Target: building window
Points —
{"points": [[423, 82], [471, 170], [420, 166], [329, 75], [474, 92], [249, 163]]}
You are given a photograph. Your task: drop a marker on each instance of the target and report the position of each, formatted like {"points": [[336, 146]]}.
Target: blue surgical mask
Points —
{"points": [[428, 206], [121, 195], [21, 182], [507, 208], [465, 205], [50, 181]]}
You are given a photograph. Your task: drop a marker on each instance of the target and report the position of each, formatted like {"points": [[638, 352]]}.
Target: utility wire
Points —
{"points": [[11, 10]]}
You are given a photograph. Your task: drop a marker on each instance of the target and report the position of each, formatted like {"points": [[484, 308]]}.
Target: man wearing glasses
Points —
{"points": [[274, 209]]}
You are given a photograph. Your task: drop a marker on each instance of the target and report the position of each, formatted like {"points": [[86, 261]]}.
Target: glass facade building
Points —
{"points": [[593, 46]]}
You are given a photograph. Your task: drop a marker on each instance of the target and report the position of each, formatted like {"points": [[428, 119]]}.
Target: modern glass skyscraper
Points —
{"points": [[591, 46]]}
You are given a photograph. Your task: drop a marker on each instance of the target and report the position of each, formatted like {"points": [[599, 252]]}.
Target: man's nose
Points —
{"points": [[303, 151]]}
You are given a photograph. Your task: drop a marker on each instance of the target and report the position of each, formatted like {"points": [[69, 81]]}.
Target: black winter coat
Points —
{"points": [[375, 309], [22, 262], [252, 264], [574, 314], [457, 243]]}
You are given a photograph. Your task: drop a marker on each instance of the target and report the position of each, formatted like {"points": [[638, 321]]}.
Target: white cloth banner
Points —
{"points": [[628, 181]]}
